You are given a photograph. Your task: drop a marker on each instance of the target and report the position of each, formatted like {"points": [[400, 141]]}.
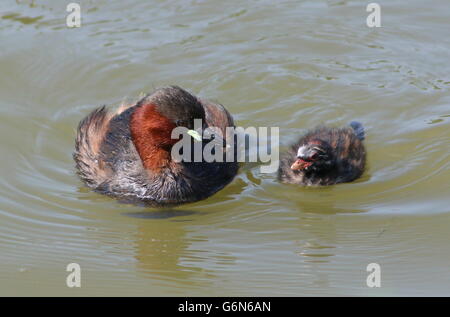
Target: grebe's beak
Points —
{"points": [[195, 135], [300, 165], [297, 165]]}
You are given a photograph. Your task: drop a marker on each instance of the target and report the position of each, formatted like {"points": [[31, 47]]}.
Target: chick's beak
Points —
{"points": [[300, 165], [297, 165]]}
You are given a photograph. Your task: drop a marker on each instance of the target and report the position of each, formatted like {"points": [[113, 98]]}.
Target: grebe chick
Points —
{"points": [[325, 156]]}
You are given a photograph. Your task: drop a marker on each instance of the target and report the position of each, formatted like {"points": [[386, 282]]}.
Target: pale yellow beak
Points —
{"points": [[195, 135]]}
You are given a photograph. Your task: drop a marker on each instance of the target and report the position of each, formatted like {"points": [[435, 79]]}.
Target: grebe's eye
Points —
{"points": [[314, 156], [318, 149]]}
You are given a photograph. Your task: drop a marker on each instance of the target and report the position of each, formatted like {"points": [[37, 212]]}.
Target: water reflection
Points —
{"points": [[162, 248], [161, 214]]}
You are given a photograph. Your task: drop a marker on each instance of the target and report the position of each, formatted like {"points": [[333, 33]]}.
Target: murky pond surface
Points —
{"points": [[292, 64]]}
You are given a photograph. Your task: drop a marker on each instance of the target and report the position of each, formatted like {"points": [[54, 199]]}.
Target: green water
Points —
{"points": [[291, 64]]}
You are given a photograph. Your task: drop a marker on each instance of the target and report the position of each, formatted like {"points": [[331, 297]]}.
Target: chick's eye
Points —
{"points": [[315, 156]]}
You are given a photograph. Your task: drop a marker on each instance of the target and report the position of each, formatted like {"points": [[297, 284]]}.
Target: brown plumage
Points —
{"points": [[325, 156], [127, 153]]}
